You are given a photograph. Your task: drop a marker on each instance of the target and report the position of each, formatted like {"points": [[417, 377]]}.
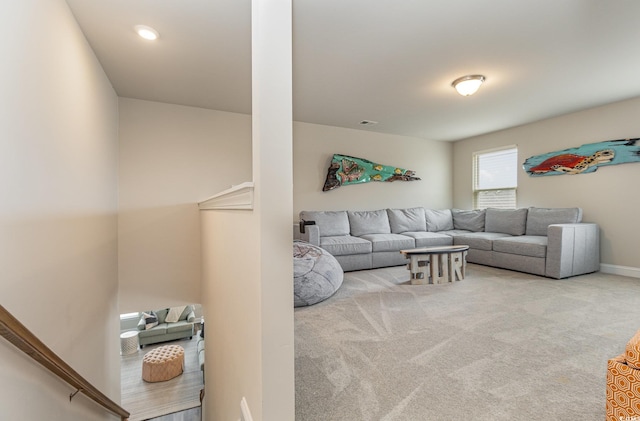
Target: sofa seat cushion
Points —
{"points": [[161, 329], [180, 326], [429, 239], [343, 245], [390, 242], [478, 240], [402, 220], [526, 245], [455, 233]]}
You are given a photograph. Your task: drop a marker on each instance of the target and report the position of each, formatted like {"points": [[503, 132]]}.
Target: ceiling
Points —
{"points": [[390, 61]]}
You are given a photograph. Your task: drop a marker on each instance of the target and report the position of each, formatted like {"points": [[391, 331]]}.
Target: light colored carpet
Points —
{"points": [[499, 345], [149, 400]]}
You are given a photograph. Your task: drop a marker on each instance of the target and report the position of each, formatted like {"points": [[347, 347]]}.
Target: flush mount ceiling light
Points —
{"points": [[146, 32], [468, 85]]}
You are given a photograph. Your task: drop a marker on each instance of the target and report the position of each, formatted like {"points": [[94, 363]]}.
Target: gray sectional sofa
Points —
{"points": [[551, 242]]}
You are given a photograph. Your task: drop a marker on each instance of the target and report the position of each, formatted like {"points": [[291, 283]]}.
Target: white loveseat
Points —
{"points": [[551, 242]]}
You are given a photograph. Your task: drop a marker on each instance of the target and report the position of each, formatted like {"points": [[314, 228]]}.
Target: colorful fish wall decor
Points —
{"points": [[584, 159], [346, 170]]}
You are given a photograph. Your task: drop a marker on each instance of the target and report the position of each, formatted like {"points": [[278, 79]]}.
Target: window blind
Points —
{"points": [[495, 178]]}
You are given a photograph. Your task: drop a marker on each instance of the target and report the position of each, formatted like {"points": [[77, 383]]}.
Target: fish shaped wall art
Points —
{"points": [[346, 170], [584, 159]]}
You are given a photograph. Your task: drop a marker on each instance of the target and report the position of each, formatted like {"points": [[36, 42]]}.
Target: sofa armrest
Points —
{"points": [[191, 317], [296, 232], [572, 249], [311, 235]]}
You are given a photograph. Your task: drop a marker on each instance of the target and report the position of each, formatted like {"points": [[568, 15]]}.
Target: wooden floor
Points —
{"points": [[192, 414], [151, 401]]}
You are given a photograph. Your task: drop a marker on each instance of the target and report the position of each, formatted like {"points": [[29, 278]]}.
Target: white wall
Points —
{"points": [[58, 248], [608, 196], [171, 157], [314, 145], [231, 302]]}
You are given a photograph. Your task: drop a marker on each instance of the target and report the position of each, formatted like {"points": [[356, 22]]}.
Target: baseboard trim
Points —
{"points": [[244, 409], [620, 270]]}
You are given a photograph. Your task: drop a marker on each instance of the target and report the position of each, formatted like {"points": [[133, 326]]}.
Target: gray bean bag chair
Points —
{"points": [[317, 275]]}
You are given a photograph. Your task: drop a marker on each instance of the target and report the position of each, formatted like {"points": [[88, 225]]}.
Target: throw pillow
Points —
{"points": [[150, 319], [174, 314]]}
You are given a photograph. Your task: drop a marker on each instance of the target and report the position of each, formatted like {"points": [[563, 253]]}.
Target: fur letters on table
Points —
{"points": [[346, 170], [584, 159]]}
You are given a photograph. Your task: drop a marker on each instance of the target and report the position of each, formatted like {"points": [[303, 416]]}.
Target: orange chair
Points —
{"points": [[623, 383]]}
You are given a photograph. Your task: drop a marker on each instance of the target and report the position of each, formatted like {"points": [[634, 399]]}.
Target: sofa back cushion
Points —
{"points": [[540, 218], [506, 221], [407, 220], [470, 220], [331, 223], [369, 222], [439, 220]]}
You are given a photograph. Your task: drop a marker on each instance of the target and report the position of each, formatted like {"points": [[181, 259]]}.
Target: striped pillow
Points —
{"points": [[150, 319]]}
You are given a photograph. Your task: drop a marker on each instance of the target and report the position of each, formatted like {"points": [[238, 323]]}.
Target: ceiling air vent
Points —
{"points": [[368, 123]]}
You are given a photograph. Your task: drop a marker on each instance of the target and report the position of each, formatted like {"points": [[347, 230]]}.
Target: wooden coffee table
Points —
{"points": [[436, 265]]}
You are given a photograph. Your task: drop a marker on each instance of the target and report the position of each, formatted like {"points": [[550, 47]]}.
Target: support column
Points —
{"points": [[273, 199]]}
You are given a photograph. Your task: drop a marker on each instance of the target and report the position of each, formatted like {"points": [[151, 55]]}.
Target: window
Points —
{"points": [[495, 178]]}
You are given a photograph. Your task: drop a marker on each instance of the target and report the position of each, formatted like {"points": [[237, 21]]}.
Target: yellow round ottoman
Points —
{"points": [[163, 363]]}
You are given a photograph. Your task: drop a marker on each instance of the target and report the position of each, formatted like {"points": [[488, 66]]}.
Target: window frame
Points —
{"points": [[475, 179]]}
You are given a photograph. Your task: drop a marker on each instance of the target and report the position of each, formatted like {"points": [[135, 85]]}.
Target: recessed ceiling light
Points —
{"points": [[146, 32]]}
